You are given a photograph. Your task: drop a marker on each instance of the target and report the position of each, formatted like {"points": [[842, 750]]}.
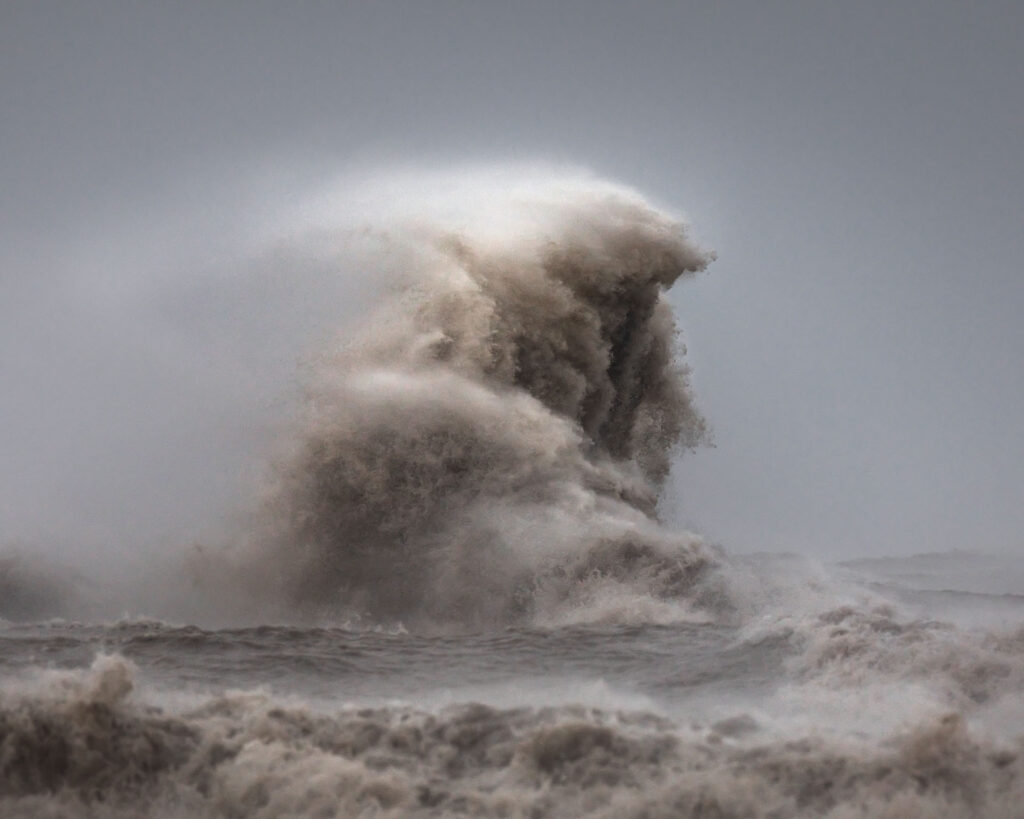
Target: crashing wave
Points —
{"points": [[490, 447]]}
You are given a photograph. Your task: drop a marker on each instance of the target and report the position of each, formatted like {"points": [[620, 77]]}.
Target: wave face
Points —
{"points": [[489, 448]]}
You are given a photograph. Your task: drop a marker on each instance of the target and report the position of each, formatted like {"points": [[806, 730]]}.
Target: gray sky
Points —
{"points": [[857, 166]]}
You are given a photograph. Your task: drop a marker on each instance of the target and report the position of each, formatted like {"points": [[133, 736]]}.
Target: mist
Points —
{"points": [[855, 352], [148, 363]]}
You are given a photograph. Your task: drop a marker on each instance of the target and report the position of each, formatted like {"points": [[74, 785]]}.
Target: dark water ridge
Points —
{"points": [[347, 664]]}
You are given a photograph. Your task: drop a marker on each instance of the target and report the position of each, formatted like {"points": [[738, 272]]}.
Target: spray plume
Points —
{"points": [[489, 447]]}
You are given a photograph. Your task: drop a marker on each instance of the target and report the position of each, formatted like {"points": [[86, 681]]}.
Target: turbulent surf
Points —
{"points": [[454, 596]]}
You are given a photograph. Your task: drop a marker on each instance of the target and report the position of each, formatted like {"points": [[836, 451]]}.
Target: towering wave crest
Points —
{"points": [[490, 446]]}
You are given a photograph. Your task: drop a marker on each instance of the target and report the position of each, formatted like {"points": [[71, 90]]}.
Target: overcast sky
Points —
{"points": [[858, 168]]}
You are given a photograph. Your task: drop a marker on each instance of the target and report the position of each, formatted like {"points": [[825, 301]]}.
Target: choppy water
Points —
{"points": [[877, 706]]}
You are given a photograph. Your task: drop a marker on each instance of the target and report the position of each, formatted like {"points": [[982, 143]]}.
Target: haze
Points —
{"points": [[856, 167]]}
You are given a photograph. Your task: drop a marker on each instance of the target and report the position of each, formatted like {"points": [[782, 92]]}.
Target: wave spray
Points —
{"points": [[488, 448]]}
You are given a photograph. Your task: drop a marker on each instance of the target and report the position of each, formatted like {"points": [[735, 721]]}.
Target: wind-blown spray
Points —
{"points": [[489, 448]]}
